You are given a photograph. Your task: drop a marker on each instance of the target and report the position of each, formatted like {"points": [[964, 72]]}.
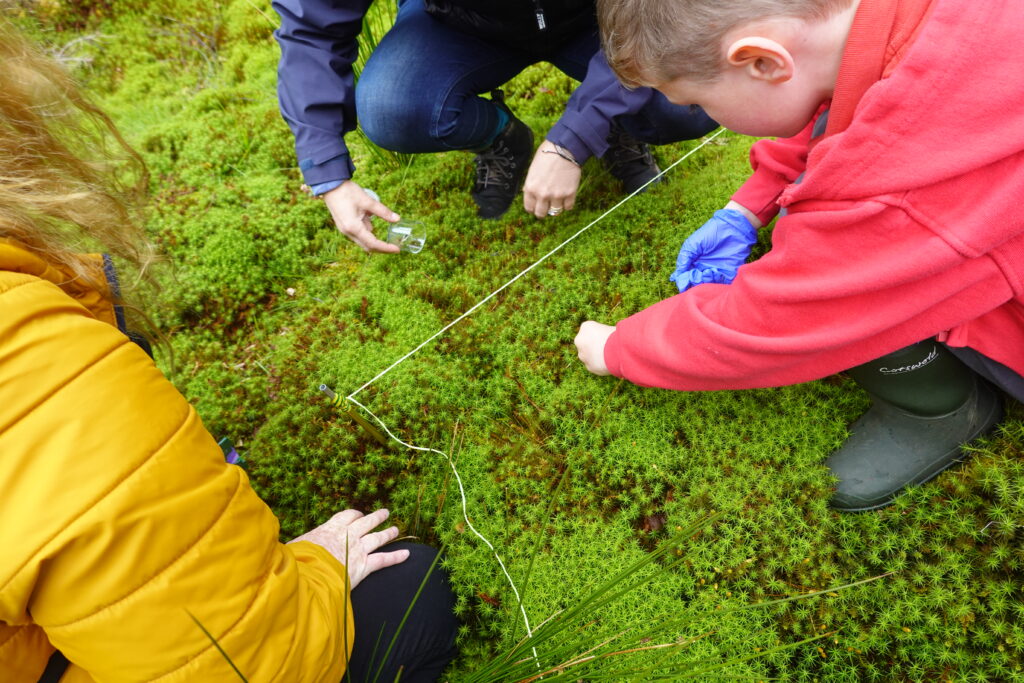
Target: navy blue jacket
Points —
{"points": [[316, 89]]}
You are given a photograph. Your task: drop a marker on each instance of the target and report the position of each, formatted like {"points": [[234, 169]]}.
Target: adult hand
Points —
{"points": [[348, 536], [551, 183], [351, 208], [715, 251], [590, 341]]}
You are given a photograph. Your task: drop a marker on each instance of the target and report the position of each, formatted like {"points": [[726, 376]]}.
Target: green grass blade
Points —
{"points": [[217, 645]]}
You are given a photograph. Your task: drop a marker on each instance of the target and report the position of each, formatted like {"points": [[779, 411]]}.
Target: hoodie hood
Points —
{"points": [[948, 123]]}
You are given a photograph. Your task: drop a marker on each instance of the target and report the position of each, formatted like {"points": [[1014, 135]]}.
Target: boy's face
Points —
{"points": [[749, 106]]}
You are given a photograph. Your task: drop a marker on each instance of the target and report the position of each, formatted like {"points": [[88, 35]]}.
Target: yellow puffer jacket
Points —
{"points": [[119, 517]]}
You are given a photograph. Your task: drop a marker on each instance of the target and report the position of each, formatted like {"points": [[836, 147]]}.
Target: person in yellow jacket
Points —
{"points": [[121, 526]]}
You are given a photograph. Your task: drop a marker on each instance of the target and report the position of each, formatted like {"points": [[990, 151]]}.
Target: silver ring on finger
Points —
{"points": [[554, 210]]}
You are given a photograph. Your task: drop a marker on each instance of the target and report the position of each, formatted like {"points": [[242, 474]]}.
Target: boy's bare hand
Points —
{"points": [[590, 341], [350, 538], [351, 209]]}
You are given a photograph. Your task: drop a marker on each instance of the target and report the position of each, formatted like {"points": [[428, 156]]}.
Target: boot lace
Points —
{"points": [[494, 166], [624, 149]]}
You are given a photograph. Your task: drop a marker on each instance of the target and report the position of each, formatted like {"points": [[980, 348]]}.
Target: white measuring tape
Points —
{"points": [[458, 479]]}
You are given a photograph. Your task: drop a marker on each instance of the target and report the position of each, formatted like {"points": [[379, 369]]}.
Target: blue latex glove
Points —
{"points": [[715, 251]]}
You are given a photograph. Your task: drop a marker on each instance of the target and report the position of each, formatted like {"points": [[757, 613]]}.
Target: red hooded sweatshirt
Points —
{"points": [[906, 225]]}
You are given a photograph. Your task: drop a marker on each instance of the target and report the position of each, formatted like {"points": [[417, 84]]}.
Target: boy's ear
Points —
{"points": [[762, 59]]}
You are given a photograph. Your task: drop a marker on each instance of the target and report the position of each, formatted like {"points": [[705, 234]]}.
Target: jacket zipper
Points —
{"points": [[542, 23]]}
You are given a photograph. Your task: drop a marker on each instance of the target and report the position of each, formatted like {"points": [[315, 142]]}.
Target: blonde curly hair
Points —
{"points": [[69, 182]]}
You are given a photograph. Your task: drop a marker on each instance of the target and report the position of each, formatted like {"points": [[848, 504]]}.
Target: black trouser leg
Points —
{"points": [[426, 642]]}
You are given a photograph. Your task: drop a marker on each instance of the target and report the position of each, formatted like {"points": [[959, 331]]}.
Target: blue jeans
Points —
{"points": [[420, 89]]}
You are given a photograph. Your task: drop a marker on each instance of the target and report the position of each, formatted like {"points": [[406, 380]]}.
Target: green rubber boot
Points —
{"points": [[926, 405]]}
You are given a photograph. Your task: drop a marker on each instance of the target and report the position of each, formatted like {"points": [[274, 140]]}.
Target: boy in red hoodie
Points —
{"points": [[899, 253]]}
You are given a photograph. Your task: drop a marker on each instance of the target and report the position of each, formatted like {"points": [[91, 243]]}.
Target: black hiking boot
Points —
{"points": [[500, 168], [926, 406], [629, 160]]}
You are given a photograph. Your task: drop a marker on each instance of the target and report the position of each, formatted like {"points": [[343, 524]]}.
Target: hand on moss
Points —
{"points": [[349, 537], [351, 208], [551, 183], [590, 341]]}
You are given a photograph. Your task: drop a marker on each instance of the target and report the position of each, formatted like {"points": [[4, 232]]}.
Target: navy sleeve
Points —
{"points": [[315, 83], [584, 126]]}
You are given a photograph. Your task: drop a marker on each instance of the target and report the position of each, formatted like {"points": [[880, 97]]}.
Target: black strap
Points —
{"points": [[110, 272], [55, 668]]}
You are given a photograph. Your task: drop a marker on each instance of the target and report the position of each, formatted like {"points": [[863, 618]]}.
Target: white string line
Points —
{"points": [[451, 464], [534, 265], [465, 513]]}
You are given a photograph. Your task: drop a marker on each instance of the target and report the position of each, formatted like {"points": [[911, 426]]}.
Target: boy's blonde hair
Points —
{"points": [[62, 168], [655, 41]]}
